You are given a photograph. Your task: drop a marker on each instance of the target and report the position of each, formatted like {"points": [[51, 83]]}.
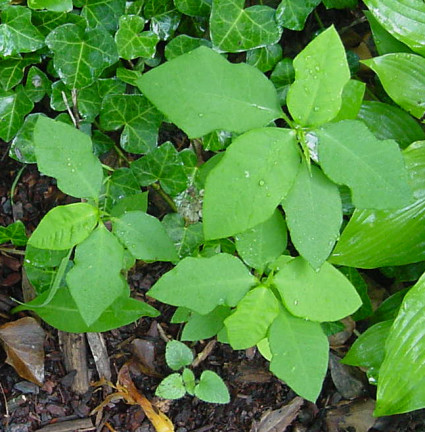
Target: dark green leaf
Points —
{"points": [[352, 98], [340, 4], [292, 14], [194, 7], [46, 21], [182, 44], [37, 84], [389, 308], [164, 17], [264, 58], [12, 71], [14, 233], [103, 13], [128, 76], [137, 201], [22, 148]]}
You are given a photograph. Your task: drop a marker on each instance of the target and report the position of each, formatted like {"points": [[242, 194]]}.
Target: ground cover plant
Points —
{"points": [[293, 178]]}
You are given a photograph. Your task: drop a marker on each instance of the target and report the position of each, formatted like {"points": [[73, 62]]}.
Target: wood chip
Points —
{"points": [[100, 355], [69, 425]]}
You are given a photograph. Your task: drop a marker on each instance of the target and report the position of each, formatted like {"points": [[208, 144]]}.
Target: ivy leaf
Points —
{"points": [[12, 71], [164, 17], [37, 84], [202, 284], [182, 44], [17, 33], [14, 233], [235, 29], [140, 119], [121, 184], [66, 154], [313, 211], [98, 261], [131, 41], [194, 8], [211, 388], [128, 76], [52, 5], [137, 201], [46, 21], [340, 4], [22, 148], [261, 166], [374, 170], [80, 56], [321, 72], [292, 14], [265, 58], [103, 13], [211, 94], [178, 355]]}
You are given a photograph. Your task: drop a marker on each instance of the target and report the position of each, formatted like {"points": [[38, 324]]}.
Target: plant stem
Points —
{"points": [[318, 19], [15, 182], [121, 153], [288, 121], [12, 251], [166, 198]]}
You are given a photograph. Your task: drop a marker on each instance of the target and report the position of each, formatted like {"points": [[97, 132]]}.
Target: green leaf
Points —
{"points": [[46, 21], [14, 105], [144, 236], [171, 387], [164, 17], [248, 325], [22, 148], [140, 119], [202, 284], [64, 226], [128, 76], [405, 69], [182, 44], [103, 13], [131, 41], [53, 5], [211, 94], [400, 388], [261, 166], [65, 153], [189, 381], [211, 388], [14, 233], [389, 308], [122, 183], [403, 20], [264, 58], [194, 8], [17, 33], [300, 353], [352, 98], [235, 29], [12, 71], [178, 355], [324, 295], [37, 84], [321, 73], [44, 257], [263, 243], [313, 212], [80, 56], [374, 170], [340, 4], [376, 238], [293, 14], [138, 201], [95, 281]]}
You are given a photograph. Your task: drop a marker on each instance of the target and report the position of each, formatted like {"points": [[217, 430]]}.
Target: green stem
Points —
{"points": [[12, 251], [15, 182], [318, 19], [288, 121], [166, 198], [121, 153]]}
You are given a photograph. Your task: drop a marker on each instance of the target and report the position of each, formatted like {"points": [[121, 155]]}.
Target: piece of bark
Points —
{"points": [[69, 425], [100, 355]]}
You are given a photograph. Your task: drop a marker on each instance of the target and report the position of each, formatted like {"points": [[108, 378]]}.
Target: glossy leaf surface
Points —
{"points": [[293, 14], [194, 7], [14, 233], [52, 5], [103, 13], [182, 44]]}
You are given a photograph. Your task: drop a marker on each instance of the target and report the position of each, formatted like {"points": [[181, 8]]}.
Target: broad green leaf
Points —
{"points": [[389, 308], [37, 84], [405, 20], [374, 170], [263, 243], [52, 5], [64, 226], [390, 122], [321, 73], [248, 325], [60, 93], [14, 105], [46, 21], [400, 384], [340, 4], [95, 281], [140, 119], [211, 93], [194, 8], [313, 212], [131, 41], [44, 257], [376, 238], [17, 33], [137, 201], [144, 236], [324, 295], [211, 388], [178, 355], [265, 58], [182, 44], [300, 353], [406, 273], [171, 387], [216, 141], [80, 56], [12, 71], [103, 13], [14, 233], [352, 98], [164, 17], [22, 148], [202, 284], [393, 69], [162, 164], [292, 14], [282, 77], [65, 153], [235, 29]]}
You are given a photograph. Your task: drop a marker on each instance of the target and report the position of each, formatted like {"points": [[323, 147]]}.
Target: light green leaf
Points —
{"points": [[65, 153], [171, 387], [211, 388], [405, 20], [52, 5], [14, 233], [103, 13], [80, 56], [64, 226], [164, 17], [37, 84], [211, 93], [140, 119], [300, 353], [292, 14], [178, 355], [264, 58], [182, 44], [131, 41], [389, 122], [263, 243], [248, 325], [402, 78], [144, 236], [189, 381], [235, 29], [321, 72], [202, 284], [17, 33], [374, 170], [261, 166], [95, 281], [194, 8], [352, 98], [128, 76], [313, 212], [324, 295], [384, 238]]}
